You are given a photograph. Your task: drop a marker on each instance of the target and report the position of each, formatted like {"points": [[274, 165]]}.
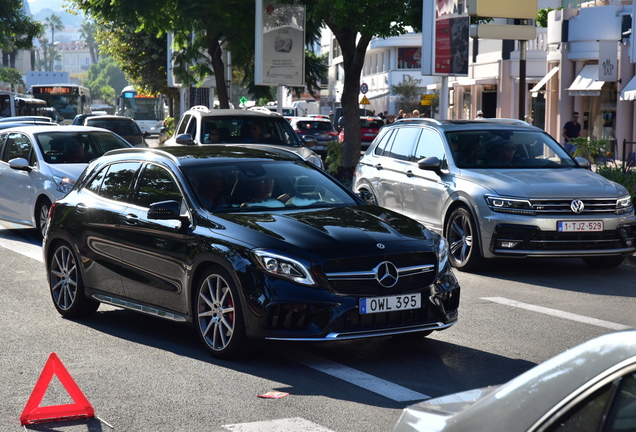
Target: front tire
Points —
{"points": [[218, 316], [67, 285], [42, 216], [604, 262], [463, 241]]}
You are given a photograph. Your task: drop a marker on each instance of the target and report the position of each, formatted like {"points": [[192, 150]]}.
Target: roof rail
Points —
{"points": [[507, 120], [419, 120]]}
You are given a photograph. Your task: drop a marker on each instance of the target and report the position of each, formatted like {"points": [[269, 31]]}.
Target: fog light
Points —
{"points": [[509, 244]]}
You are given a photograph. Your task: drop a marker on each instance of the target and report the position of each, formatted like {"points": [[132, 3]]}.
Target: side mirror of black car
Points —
{"points": [[167, 210], [431, 163]]}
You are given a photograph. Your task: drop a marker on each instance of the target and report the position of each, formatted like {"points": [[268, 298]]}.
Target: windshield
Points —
{"points": [[254, 186], [75, 147], [506, 149], [248, 129]]}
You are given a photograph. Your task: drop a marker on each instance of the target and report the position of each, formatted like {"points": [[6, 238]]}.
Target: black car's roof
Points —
{"points": [[189, 155]]}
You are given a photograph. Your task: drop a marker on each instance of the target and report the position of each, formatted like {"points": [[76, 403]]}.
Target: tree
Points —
{"points": [[17, 30], [54, 22], [105, 74], [11, 76], [354, 24], [410, 93], [87, 31]]}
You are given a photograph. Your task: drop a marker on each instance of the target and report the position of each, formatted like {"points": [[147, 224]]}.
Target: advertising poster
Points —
{"points": [[280, 44], [445, 38]]}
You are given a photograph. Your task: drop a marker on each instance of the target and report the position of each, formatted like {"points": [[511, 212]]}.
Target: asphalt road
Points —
{"points": [[143, 374]]}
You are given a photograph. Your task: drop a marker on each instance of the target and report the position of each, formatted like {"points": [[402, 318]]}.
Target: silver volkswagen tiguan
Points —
{"points": [[498, 188]]}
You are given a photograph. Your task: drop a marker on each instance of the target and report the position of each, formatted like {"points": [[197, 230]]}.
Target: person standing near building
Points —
{"points": [[571, 130], [480, 114]]}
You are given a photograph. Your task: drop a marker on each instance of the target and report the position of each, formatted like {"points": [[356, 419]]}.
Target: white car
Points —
{"points": [[591, 387], [200, 126], [39, 164]]}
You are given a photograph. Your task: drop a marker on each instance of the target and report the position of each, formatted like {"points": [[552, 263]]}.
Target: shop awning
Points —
{"points": [[628, 93], [586, 82], [544, 80]]}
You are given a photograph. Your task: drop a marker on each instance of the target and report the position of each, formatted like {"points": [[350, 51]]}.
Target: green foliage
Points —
{"points": [[591, 149], [623, 174], [104, 74], [542, 16], [17, 30], [410, 94], [11, 76]]}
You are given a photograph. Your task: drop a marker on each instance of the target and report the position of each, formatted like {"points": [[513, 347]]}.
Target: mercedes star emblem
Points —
{"points": [[386, 273]]}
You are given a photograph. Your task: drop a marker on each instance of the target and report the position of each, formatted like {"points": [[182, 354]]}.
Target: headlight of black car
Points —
{"points": [[624, 205], [442, 254], [283, 266]]}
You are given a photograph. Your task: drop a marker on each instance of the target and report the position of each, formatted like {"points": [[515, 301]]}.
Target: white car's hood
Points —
{"points": [[70, 170], [544, 183]]}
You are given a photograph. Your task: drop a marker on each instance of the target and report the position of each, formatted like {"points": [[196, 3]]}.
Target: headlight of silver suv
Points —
{"points": [[624, 205], [283, 266], [63, 184], [510, 205]]}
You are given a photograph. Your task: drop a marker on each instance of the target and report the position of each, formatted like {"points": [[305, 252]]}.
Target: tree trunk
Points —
{"points": [[353, 54], [218, 66]]}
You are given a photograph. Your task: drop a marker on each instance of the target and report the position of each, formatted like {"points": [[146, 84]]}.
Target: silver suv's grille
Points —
{"points": [[591, 206]]}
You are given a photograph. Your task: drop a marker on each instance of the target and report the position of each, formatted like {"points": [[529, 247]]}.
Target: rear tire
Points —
{"points": [[218, 314], [463, 241], [67, 286], [604, 262]]}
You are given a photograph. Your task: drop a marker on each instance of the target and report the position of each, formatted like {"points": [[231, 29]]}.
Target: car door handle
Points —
{"points": [[378, 166], [81, 208], [409, 173], [130, 219]]}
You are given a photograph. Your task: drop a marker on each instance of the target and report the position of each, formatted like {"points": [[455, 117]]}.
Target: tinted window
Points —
{"points": [[370, 123], [61, 147], [384, 143], [430, 144], [156, 184], [17, 146], [404, 142], [118, 180], [183, 124], [237, 129]]}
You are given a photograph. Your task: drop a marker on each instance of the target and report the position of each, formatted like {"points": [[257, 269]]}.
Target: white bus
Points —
{"points": [[148, 111], [68, 99], [16, 104]]}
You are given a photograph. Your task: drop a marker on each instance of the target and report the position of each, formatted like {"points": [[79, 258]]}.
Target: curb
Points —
{"points": [[631, 261]]}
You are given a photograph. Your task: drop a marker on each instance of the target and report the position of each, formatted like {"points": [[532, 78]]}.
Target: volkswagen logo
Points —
{"points": [[386, 273], [577, 206]]}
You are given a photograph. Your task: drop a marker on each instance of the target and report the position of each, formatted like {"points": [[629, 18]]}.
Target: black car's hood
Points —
{"points": [[314, 229]]}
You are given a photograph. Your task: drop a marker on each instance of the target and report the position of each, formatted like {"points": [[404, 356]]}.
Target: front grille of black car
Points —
{"points": [[591, 206], [353, 321], [417, 271], [531, 238]]}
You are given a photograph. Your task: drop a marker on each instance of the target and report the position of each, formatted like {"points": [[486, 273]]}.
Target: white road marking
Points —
{"points": [[557, 313], [356, 377], [19, 246], [281, 425]]}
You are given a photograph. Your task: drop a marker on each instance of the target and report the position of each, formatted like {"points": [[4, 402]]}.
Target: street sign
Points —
{"points": [[364, 88], [365, 101]]}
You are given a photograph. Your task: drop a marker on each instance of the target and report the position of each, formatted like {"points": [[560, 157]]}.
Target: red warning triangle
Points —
{"points": [[34, 413]]}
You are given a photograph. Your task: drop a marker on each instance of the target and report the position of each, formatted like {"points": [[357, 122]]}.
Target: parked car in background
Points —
{"points": [[25, 119], [125, 127], [244, 242], [201, 126], [498, 188], [320, 128], [11, 125], [591, 387], [78, 120], [369, 129], [39, 164], [54, 115]]}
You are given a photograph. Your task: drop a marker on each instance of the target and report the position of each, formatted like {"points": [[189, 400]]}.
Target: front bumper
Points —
{"points": [[530, 240]]}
